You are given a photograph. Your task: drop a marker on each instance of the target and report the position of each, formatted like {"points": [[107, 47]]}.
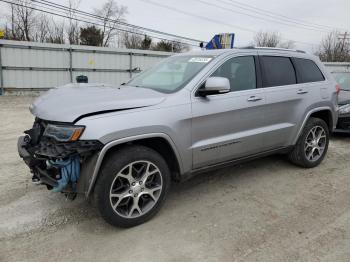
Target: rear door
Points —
{"points": [[227, 126], [288, 97]]}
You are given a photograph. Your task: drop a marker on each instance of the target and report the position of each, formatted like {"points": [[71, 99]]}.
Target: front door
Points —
{"points": [[229, 126]]}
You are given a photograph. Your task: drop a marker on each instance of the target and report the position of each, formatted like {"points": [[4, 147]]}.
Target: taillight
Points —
{"points": [[337, 89]]}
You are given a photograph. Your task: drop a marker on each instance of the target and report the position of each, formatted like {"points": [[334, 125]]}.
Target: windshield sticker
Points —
{"points": [[199, 59]]}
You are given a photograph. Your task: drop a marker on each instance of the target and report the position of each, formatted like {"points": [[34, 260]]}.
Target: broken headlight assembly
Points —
{"points": [[64, 133]]}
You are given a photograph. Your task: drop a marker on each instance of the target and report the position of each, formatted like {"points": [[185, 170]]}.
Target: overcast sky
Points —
{"points": [[229, 18]]}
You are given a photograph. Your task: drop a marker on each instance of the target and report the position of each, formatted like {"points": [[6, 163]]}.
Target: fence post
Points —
{"points": [[1, 75], [130, 65], [70, 64]]}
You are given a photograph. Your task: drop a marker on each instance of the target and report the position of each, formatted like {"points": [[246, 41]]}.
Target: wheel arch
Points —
{"points": [[160, 142], [324, 113]]}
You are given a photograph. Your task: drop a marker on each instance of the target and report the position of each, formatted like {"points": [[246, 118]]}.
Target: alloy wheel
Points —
{"points": [[136, 189], [315, 143]]}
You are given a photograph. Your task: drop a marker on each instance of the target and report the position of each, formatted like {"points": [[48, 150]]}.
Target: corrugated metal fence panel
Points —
{"points": [[337, 66], [20, 57], [41, 65], [34, 79], [112, 78], [100, 60], [144, 61]]}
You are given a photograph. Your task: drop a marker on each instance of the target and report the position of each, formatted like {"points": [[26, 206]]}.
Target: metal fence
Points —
{"points": [[38, 66], [337, 66]]}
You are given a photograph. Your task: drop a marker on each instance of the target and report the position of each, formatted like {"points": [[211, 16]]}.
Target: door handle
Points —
{"points": [[254, 99], [302, 91]]}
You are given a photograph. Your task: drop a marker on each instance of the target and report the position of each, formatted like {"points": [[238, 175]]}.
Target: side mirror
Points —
{"points": [[214, 86]]}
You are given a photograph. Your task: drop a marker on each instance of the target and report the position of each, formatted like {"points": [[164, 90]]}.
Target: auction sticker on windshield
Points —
{"points": [[199, 59]]}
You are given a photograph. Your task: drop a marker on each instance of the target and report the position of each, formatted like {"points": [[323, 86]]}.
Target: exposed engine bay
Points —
{"points": [[56, 164]]}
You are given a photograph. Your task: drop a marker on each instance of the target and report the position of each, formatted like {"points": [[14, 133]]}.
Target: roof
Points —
{"points": [[217, 52]]}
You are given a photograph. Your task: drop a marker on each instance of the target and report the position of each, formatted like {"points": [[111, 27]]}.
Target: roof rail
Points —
{"points": [[272, 48]]}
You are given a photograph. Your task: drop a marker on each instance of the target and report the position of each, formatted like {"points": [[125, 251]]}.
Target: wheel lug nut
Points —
{"points": [[140, 182], [133, 183], [135, 195], [130, 191], [141, 189]]}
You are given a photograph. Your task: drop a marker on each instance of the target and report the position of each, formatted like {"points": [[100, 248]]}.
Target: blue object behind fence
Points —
{"points": [[221, 41]]}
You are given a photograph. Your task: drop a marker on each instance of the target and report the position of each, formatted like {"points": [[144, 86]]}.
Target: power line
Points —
{"points": [[94, 23], [211, 19], [174, 9], [66, 8], [264, 11], [291, 24]]}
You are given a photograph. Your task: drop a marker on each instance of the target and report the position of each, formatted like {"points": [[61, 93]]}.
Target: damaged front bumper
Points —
{"points": [[61, 166]]}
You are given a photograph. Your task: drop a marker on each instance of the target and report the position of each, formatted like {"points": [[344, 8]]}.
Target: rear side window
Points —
{"points": [[307, 71], [277, 71]]}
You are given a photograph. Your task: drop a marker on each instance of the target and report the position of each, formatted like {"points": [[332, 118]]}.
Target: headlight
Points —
{"points": [[64, 133], [344, 109]]}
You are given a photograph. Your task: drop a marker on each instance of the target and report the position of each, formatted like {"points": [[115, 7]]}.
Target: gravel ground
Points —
{"points": [[265, 210]]}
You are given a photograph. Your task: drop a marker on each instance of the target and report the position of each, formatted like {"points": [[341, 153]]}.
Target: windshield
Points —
{"points": [[171, 74], [343, 79]]}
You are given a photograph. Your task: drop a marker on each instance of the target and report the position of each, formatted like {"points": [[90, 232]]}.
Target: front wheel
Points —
{"points": [[133, 184], [312, 144]]}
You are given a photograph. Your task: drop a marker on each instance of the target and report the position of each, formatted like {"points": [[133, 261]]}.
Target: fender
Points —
{"points": [[113, 143], [317, 109]]}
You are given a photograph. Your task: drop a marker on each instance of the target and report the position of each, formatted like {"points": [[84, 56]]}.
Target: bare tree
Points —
{"points": [[56, 33], [136, 40], [267, 39], [112, 15], [23, 20], [170, 46], [42, 28], [131, 40], [272, 39], [73, 29], [334, 49]]}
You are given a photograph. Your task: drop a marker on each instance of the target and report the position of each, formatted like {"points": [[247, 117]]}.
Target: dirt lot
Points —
{"points": [[265, 210]]}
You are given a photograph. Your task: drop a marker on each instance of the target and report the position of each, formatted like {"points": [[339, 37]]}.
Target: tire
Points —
{"points": [[303, 153], [133, 174]]}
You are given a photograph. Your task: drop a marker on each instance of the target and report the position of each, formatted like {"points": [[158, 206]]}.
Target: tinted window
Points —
{"points": [[277, 71], [307, 70], [240, 71]]}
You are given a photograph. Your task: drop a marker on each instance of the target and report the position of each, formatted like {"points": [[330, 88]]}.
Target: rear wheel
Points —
{"points": [[133, 184], [312, 144]]}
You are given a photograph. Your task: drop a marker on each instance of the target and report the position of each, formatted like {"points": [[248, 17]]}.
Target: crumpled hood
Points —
{"points": [[73, 101]]}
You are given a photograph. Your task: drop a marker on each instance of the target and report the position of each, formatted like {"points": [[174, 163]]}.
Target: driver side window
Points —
{"points": [[240, 71]]}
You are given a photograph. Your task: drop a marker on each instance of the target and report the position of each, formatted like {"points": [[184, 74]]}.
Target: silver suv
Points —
{"points": [[190, 113]]}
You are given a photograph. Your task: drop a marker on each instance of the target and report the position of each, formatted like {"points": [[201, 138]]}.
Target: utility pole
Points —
{"points": [[345, 45], [344, 37]]}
